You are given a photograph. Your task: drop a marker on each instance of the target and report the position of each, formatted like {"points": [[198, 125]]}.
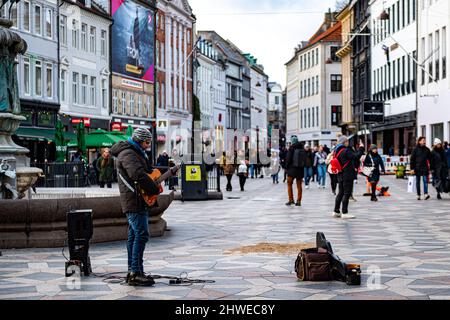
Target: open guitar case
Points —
{"points": [[338, 267]]}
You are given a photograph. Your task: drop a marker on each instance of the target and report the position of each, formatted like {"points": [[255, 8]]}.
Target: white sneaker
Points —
{"points": [[337, 215], [348, 216], [306, 187]]}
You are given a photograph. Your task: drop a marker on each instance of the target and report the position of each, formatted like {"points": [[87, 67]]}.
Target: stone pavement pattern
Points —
{"points": [[407, 240]]}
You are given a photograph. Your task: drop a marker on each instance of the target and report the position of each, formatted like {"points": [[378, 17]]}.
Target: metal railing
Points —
{"points": [[62, 175]]}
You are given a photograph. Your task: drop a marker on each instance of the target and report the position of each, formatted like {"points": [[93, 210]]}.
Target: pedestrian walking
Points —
{"points": [[229, 170], [275, 167], [105, 166], [314, 166], [439, 167], [242, 174], [373, 163], [420, 166], [343, 164], [295, 166], [333, 176], [320, 162], [308, 165], [283, 155]]}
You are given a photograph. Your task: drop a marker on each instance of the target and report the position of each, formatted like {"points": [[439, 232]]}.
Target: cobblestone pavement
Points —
{"points": [[406, 240]]}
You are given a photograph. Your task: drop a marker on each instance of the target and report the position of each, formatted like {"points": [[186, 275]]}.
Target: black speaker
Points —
{"points": [[80, 231]]}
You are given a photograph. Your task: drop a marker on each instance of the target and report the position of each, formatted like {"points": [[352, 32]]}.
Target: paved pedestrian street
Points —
{"points": [[403, 246]]}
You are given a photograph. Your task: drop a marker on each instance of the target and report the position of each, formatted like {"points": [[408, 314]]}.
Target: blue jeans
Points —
{"points": [[252, 170], [425, 184], [308, 175], [275, 178], [322, 172], [138, 236]]}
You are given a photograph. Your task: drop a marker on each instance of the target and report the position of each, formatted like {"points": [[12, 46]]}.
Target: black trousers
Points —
{"points": [[108, 184], [343, 196], [229, 177], [242, 179], [334, 182]]}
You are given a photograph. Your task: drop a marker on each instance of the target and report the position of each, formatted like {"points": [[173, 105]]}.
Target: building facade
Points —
{"points": [[361, 58], [36, 22], [84, 79], [346, 17], [292, 96], [433, 82], [133, 66], [275, 111], [319, 87], [174, 77], [394, 73]]}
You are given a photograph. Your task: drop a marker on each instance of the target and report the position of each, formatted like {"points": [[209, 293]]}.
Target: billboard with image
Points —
{"points": [[132, 40]]}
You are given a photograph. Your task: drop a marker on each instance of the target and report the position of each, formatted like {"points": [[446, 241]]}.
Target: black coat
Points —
{"points": [[348, 158], [294, 172], [309, 159], [439, 162], [377, 163], [283, 155], [420, 160]]}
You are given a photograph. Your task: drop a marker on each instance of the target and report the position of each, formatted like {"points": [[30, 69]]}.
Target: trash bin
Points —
{"points": [[194, 184]]}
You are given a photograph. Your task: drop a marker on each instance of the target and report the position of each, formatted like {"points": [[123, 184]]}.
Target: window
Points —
{"points": [[336, 115], [26, 16], [14, 14], [309, 118], [437, 57], [163, 95], [313, 90], [147, 107], [104, 93], [49, 23], [103, 43], [333, 55], [124, 103], [115, 102], [317, 116], [38, 78], [75, 39], [313, 120], [62, 87], [93, 91], [301, 119], [277, 100], [336, 83], [423, 59], [84, 83], [63, 29], [75, 87], [317, 55], [37, 20], [26, 76], [92, 39], [83, 37], [444, 53], [317, 84], [140, 105], [132, 104], [49, 77], [437, 131], [309, 87]]}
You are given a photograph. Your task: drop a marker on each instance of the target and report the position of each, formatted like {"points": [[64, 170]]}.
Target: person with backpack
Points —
{"points": [[343, 164], [320, 162], [439, 167], [295, 166], [372, 164], [420, 166], [309, 161], [283, 155]]}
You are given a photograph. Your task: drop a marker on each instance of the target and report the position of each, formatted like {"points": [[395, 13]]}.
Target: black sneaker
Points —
{"points": [[141, 280], [374, 199], [427, 197], [439, 197], [298, 204], [290, 203], [128, 277]]}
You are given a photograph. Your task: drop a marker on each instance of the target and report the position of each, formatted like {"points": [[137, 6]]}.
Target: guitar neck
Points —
{"points": [[165, 176]]}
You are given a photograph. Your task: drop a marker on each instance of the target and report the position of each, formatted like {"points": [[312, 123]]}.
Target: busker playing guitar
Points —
{"points": [[138, 192]]}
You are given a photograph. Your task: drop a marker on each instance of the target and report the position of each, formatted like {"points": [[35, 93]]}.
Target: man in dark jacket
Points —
{"points": [[309, 172], [347, 158], [439, 167], [283, 155], [133, 166], [420, 166], [295, 171]]}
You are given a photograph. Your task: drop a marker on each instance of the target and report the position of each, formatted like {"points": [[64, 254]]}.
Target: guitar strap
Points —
{"points": [[126, 183]]}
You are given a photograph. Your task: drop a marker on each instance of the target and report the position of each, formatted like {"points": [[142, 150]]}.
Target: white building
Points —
{"points": [[394, 73], [433, 82], [318, 88], [84, 71], [275, 97]]}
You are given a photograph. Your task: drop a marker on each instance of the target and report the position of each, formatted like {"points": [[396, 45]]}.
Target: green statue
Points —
{"points": [[10, 46]]}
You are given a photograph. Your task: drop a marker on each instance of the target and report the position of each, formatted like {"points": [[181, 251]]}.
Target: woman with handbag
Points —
{"points": [[372, 164]]}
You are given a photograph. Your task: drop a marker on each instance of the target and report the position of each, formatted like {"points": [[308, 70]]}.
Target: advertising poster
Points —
{"points": [[132, 40], [193, 173]]}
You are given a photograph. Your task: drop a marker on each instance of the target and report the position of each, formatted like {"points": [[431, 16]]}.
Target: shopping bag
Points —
{"points": [[411, 184]]}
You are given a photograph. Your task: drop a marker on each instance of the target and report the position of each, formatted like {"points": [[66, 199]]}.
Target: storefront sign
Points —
{"points": [[162, 125], [116, 126], [132, 84], [373, 112], [86, 121]]}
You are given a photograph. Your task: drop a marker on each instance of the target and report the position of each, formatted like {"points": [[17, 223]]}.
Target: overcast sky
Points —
{"points": [[270, 38]]}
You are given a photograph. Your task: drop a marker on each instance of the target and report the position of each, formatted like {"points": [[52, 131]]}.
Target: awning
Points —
{"points": [[40, 134], [100, 139]]}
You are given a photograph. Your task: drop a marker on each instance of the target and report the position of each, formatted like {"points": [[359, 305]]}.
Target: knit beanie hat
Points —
{"points": [[141, 135], [342, 139], [294, 139]]}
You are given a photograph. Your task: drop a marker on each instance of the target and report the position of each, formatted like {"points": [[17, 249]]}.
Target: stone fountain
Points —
{"points": [[16, 176]]}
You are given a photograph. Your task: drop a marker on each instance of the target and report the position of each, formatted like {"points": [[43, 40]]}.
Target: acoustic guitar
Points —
{"points": [[158, 178]]}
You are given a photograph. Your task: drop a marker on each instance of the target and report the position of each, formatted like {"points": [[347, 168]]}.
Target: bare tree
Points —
{"points": [[340, 4]]}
